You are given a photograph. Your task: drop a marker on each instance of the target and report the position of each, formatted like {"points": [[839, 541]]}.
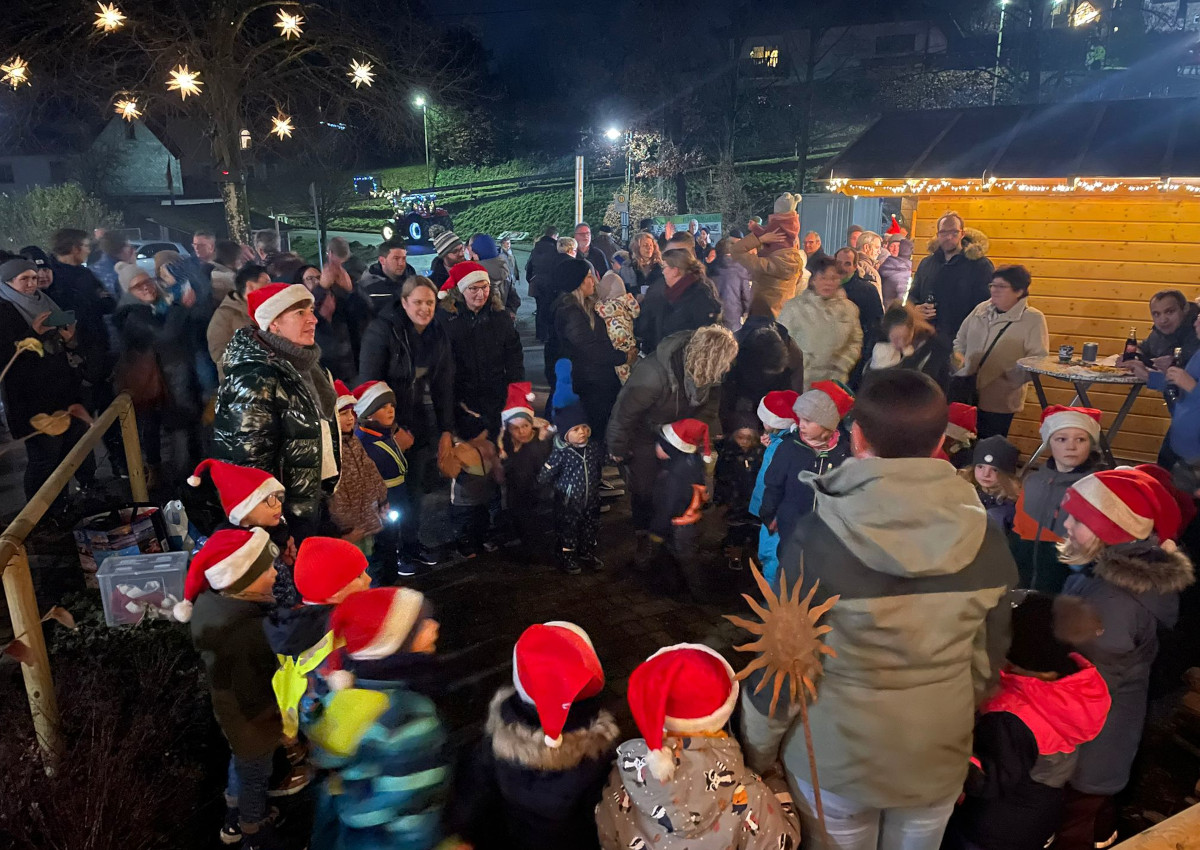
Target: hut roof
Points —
{"points": [[1158, 137]]}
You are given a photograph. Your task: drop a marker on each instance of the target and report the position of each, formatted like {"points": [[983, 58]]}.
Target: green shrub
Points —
{"points": [[29, 218]]}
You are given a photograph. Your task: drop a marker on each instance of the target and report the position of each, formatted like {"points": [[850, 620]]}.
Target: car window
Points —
{"points": [[148, 250]]}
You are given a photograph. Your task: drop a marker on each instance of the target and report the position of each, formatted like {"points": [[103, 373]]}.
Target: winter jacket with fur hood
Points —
{"points": [[894, 720], [713, 802], [1001, 381], [1135, 589], [957, 284], [515, 793], [828, 333]]}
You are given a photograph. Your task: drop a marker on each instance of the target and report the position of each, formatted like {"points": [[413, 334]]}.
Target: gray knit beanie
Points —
{"points": [[11, 268], [818, 407], [129, 273], [445, 243]]}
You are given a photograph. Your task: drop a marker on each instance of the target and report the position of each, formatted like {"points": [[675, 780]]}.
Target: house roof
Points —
{"points": [[1157, 137]]}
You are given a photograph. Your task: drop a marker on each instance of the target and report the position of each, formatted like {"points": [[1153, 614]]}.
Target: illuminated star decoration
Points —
{"points": [[109, 17], [289, 25], [127, 108], [281, 126], [16, 72], [361, 73], [184, 81]]}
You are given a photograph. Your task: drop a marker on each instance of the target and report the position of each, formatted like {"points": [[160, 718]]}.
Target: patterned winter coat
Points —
{"points": [[619, 315], [360, 491], [575, 474], [515, 793], [267, 418], [713, 801]]}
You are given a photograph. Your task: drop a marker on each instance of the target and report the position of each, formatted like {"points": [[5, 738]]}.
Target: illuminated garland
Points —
{"points": [[1074, 185]]}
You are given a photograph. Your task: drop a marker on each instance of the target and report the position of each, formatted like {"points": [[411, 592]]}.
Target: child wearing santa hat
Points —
{"points": [[683, 451], [360, 500], [1120, 527], [375, 406], [1039, 523], [778, 417], [684, 784], [227, 598], [534, 780], [961, 432], [382, 743], [525, 445]]}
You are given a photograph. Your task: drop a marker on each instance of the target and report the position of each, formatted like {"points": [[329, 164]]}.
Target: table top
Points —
{"points": [[1074, 371]]}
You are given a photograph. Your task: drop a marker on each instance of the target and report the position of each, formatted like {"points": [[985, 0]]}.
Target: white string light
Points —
{"points": [[1080, 185]]}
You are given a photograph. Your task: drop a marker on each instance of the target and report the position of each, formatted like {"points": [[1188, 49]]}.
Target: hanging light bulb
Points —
{"points": [[289, 24], [109, 17], [184, 81], [281, 126], [127, 108], [16, 72], [361, 73]]}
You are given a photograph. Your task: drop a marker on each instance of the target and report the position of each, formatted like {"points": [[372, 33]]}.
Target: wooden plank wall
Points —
{"points": [[1095, 261]]}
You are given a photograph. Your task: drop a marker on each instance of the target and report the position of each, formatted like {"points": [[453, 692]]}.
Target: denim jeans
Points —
{"points": [[247, 787], [853, 826]]}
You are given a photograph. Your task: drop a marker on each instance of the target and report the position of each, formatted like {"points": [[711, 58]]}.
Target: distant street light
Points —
{"points": [[612, 134], [422, 104]]}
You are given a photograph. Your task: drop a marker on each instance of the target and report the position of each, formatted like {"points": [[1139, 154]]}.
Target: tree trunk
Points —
{"points": [[235, 217], [807, 94]]}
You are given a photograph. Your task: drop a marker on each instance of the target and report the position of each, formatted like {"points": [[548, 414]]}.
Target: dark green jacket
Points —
{"points": [[267, 418]]}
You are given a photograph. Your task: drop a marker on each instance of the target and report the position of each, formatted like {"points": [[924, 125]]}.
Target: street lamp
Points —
{"points": [[612, 134], [421, 103]]}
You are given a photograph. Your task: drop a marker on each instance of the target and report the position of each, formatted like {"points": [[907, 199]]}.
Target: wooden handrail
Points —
{"points": [[1179, 832]]}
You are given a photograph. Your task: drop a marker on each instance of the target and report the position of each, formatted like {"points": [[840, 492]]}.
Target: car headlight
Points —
{"points": [[388, 231]]}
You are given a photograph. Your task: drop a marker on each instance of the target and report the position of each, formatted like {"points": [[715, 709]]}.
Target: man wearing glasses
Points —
{"points": [[954, 278]]}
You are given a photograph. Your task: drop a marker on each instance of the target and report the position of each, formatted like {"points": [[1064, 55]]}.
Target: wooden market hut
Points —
{"points": [[1100, 200]]}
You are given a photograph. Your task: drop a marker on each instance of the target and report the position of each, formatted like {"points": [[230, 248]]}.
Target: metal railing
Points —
{"points": [[18, 581]]}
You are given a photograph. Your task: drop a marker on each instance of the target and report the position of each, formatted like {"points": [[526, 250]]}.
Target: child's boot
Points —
{"points": [[568, 562]]}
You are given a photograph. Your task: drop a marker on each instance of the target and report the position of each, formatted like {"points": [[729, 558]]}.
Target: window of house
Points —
{"points": [[6, 173], [897, 43], [765, 56]]}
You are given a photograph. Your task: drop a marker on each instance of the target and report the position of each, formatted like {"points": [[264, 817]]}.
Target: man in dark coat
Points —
{"points": [[542, 260], [870, 308], [605, 243], [812, 246], [381, 283], [1174, 317], [588, 251], [956, 274]]}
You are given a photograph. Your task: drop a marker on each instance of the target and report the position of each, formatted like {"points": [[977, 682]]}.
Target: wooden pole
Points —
{"points": [[133, 454], [39, 684]]}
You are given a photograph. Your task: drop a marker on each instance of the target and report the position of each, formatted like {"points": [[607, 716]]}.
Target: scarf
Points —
{"points": [[306, 359], [29, 306], [674, 293]]}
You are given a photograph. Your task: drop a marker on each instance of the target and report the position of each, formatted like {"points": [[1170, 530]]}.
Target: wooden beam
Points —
{"points": [[1181, 832], [39, 684]]}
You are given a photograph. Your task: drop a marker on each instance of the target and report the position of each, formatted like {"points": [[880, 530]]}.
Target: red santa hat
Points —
{"points": [[345, 398], [688, 435], [894, 229], [466, 273], [686, 688], [231, 559], [517, 404], [446, 288], [1183, 499], [1123, 505], [372, 624], [371, 396], [961, 426], [1056, 417], [325, 566], [554, 664], [241, 488], [826, 403], [268, 303], [775, 409]]}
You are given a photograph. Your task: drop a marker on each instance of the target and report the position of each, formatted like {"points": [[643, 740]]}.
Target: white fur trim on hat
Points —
{"points": [[182, 611], [473, 277], [277, 304], [1069, 419], [958, 433], [1096, 493], [224, 573], [561, 624], [719, 717], [370, 395], [668, 432], [770, 420], [401, 617], [258, 494], [344, 401]]}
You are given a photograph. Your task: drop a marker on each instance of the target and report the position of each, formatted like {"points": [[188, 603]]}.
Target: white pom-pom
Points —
{"points": [[1168, 546], [182, 611], [445, 293], [340, 680], [707, 458], [662, 764], [552, 743], [194, 480], [530, 396]]}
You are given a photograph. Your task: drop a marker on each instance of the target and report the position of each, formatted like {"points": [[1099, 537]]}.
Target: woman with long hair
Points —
{"points": [[645, 264], [910, 342], [686, 302]]}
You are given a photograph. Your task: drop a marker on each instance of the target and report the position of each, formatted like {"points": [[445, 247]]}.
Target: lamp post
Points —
{"points": [[421, 103], [613, 134], [999, 41]]}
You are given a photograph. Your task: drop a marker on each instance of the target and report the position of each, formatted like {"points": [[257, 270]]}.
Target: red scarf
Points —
{"points": [[674, 293]]}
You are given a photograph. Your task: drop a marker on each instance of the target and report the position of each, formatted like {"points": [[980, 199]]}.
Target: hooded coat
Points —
{"points": [[776, 275], [957, 284], [713, 802], [538, 268], [732, 280], [828, 333], [515, 793], [768, 359], [920, 632], [1135, 589], [504, 285]]}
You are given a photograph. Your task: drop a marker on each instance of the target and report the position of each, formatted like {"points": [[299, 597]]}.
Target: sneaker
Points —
{"points": [[231, 832], [609, 490], [489, 546], [292, 782], [405, 569], [296, 752], [424, 556], [605, 508]]}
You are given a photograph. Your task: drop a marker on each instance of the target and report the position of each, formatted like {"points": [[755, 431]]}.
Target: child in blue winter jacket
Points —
{"points": [[376, 411]]}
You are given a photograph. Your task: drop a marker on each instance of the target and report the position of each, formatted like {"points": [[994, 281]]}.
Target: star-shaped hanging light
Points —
{"points": [[109, 17], [289, 24], [185, 81], [127, 108], [16, 72], [281, 126], [361, 73]]}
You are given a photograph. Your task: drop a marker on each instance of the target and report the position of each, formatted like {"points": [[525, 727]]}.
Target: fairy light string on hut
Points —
{"points": [[1027, 186]]}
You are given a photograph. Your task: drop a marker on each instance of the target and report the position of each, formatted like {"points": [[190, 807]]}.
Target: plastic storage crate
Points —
{"points": [[128, 530], [137, 587]]}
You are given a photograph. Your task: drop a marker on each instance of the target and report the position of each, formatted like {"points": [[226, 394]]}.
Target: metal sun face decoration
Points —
{"points": [[109, 18], [16, 72], [281, 126], [289, 25], [185, 81], [360, 73], [127, 108]]}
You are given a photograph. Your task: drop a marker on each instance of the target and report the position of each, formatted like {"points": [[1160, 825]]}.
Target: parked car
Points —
{"points": [[145, 249]]}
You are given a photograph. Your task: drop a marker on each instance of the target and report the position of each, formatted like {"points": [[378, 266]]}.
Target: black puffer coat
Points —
{"points": [[267, 418], [140, 330], [487, 355], [768, 359]]}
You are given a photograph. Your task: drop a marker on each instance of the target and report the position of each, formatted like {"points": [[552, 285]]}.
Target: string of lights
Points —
{"points": [[1074, 185]]}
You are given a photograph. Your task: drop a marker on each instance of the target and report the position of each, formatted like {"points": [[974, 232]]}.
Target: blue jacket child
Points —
{"points": [[376, 411]]}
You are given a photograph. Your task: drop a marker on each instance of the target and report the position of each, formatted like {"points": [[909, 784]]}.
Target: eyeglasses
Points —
{"points": [[998, 286], [478, 289], [274, 500]]}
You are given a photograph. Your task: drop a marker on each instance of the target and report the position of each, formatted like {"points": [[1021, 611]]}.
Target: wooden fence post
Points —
{"points": [[39, 684], [133, 453]]}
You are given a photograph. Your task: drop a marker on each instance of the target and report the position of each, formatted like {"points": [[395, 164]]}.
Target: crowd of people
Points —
{"points": [[840, 417]]}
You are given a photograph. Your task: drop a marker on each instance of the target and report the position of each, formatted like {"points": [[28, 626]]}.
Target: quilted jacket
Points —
{"points": [[267, 418]]}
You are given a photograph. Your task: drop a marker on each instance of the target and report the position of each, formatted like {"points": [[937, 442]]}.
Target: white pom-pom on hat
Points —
{"points": [[194, 481], [182, 610], [340, 680]]}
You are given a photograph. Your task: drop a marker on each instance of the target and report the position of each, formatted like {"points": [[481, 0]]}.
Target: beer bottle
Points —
{"points": [[1171, 393], [1131, 346]]}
